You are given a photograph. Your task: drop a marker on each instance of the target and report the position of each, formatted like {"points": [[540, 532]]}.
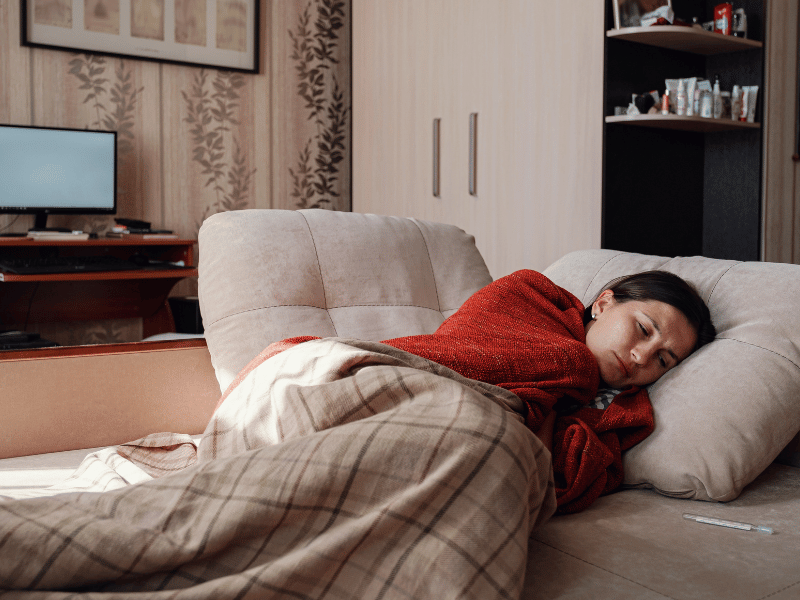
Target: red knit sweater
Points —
{"points": [[526, 334]]}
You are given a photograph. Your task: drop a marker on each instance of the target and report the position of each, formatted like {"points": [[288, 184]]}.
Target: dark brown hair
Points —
{"points": [[668, 288]]}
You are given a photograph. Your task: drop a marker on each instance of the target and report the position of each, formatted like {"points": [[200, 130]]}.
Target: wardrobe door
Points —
{"points": [[531, 71], [535, 78], [399, 76], [480, 167]]}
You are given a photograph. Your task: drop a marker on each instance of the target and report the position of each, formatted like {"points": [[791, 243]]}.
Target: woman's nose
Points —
{"points": [[641, 354]]}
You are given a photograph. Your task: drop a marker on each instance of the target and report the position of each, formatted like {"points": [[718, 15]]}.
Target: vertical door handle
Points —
{"points": [[436, 126], [473, 154]]}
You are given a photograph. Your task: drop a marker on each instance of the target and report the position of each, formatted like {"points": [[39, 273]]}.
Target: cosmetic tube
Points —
{"points": [[703, 86], [680, 104], [745, 103], [736, 103], [691, 87], [706, 105], [752, 94], [672, 87]]}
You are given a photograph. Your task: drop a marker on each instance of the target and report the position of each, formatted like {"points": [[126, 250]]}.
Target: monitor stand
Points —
{"points": [[40, 224]]}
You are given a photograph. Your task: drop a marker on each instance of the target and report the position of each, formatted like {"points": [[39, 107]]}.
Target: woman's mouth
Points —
{"points": [[622, 367]]}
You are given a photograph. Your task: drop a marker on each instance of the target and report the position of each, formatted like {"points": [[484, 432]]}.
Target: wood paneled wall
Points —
{"points": [[195, 141], [781, 210]]}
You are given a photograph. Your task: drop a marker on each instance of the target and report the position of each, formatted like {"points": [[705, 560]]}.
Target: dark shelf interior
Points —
{"points": [[682, 193]]}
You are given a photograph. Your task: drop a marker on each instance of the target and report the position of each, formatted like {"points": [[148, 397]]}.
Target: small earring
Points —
{"points": [[594, 316]]}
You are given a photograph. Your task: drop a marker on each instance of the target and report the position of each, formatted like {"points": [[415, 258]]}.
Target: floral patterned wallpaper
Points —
{"points": [[212, 115], [195, 141], [315, 52]]}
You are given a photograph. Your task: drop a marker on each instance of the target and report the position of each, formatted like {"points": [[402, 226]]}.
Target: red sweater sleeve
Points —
{"points": [[522, 333]]}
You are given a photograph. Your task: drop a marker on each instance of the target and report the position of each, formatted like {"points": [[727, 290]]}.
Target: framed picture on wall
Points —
{"points": [[211, 33]]}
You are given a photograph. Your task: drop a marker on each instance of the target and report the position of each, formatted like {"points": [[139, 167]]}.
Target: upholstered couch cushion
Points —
{"points": [[265, 275], [727, 411]]}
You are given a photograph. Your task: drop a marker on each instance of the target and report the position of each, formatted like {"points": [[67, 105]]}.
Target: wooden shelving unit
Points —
{"points": [[682, 123], [65, 297], [677, 185], [685, 39]]}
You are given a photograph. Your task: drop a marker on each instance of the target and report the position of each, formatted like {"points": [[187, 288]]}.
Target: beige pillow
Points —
{"points": [[724, 414]]}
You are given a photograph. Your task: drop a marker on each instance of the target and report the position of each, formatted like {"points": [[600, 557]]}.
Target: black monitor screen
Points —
{"points": [[57, 171]]}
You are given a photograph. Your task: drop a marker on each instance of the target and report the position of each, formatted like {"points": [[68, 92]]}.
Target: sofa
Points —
{"points": [[725, 444]]}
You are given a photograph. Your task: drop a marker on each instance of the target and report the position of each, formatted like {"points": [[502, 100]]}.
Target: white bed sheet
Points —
{"points": [[32, 473], [27, 476]]}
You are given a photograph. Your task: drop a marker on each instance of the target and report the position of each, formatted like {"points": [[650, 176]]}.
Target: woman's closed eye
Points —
{"points": [[661, 360]]}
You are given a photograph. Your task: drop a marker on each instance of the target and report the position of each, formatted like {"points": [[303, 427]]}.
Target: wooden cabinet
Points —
{"points": [[675, 185], [532, 72], [70, 398], [76, 296]]}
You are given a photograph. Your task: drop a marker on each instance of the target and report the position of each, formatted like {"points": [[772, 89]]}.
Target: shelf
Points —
{"points": [[700, 124], [111, 242], [144, 273], [685, 39]]}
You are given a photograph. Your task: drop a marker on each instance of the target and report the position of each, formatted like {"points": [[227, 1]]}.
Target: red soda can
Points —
{"points": [[723, 17]]}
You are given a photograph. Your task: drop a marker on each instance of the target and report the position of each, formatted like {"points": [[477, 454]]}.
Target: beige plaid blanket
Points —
{"points": [[336, 469]]}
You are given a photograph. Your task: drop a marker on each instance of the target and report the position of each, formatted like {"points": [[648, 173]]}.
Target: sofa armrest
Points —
{"points": [[57, 399]]}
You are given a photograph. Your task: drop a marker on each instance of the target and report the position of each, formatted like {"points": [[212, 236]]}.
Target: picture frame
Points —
{"points": [[209, 33], [629, 13]]}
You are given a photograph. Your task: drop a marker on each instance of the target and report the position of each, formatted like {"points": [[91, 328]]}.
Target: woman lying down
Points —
{"points": [[413, 468]]}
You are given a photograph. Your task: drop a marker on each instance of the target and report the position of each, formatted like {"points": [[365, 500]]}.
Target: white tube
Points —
{"points": [[745, 103], [751, 108], [691, 86], [736, 103], [680, 104]]}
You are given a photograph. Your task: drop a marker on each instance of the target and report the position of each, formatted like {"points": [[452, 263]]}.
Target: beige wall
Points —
{"points": [[278, 149]]}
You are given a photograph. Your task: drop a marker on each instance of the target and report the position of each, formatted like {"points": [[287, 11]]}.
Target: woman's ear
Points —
{"points": [[603, 302]]}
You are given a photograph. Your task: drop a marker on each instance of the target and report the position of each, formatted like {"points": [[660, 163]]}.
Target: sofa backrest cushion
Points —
{"points": [[266, 275], [728, 410]]}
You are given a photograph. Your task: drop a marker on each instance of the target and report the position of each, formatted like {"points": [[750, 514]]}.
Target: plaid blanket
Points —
{"points": [[335, 469]]}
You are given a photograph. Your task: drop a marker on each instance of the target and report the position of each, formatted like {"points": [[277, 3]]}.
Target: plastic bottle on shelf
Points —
{"points": [[736, 103], [706, 108], [739, 28], [680, 98], [717, 98]]}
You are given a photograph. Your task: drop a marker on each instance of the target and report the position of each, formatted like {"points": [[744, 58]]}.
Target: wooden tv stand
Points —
{"points": [[98, 295]]}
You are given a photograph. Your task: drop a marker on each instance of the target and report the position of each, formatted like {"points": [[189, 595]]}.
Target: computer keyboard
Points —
{"points": [[64, 264]]}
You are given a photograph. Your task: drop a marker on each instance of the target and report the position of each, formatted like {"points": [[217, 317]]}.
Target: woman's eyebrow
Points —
{"points": [[658, 329]]}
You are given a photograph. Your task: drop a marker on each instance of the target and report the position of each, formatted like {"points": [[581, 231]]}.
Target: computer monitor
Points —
{"points": [[57, 171]]}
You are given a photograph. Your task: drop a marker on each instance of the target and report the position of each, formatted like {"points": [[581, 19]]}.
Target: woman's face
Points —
{"points": [[636, 342]]}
